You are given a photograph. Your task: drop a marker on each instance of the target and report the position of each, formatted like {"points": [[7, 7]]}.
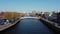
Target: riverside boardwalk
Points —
{"points": [[55, 24], [5, 26]]}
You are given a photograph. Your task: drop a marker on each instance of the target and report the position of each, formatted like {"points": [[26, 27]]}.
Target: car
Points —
{"points": [[3, 21]]}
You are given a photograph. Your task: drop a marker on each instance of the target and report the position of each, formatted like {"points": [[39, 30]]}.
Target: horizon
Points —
{"points": [[29, 5]]}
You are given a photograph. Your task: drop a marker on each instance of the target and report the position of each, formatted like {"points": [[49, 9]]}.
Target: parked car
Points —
{"points": [[11, 20], [3, 21]]}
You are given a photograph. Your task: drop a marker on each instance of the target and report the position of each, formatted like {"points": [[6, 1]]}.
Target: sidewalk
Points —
{"points": [[3, 27]]}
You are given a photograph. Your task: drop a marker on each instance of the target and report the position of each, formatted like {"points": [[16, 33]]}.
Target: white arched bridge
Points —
{"points": [[30, 17]]}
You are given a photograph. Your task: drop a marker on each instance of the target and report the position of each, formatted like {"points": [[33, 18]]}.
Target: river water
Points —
{"points": [[28, 26]]}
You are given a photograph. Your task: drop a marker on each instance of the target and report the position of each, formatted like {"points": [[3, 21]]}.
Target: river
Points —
{"points": [[28, 26]]}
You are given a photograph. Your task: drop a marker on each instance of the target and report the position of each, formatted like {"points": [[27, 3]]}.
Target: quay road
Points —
{"points": [[28, 26]]}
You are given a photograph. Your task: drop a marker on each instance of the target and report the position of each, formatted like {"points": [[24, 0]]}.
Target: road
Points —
{"points": [[28, 26]]}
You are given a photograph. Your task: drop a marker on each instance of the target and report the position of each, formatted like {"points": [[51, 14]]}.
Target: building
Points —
{"points": [[51, 16], [58, 17], [47, 14], [1, 15]]}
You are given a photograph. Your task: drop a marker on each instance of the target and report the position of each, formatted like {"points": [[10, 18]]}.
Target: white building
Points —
{"points": [[51, 15]]}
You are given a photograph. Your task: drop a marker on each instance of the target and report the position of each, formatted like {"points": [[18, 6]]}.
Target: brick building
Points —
{"points": [[1, 15]]}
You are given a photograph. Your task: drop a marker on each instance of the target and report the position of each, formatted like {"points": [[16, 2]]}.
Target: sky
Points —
{"points": [[29, 5]]}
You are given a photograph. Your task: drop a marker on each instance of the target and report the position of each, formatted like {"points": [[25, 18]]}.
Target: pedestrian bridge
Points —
{"points": [[30, 17]]}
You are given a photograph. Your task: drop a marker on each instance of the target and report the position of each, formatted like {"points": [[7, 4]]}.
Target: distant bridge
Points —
{"points": [[30, 17]]}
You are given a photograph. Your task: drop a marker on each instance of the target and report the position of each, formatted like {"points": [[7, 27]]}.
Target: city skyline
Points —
{"points": [[29, 5]]}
